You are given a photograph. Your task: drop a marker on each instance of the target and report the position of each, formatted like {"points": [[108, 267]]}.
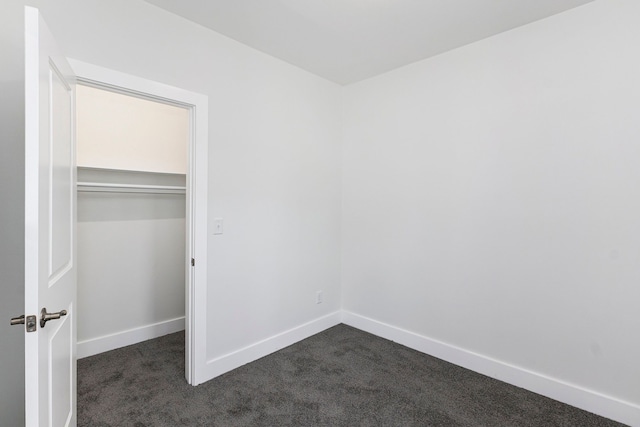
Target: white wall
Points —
{"points": [[490, 200], [11, 212], [274, 166], [131, 268]]}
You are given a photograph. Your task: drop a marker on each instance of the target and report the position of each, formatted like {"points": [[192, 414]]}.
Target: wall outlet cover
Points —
{"points": [[217, 225]]}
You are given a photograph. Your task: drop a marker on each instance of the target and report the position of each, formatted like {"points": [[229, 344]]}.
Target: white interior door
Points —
{"points": [[50, 206]]}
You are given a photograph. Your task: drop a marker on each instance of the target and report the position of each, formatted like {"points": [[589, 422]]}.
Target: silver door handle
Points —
{"points": [[45, 317], [17, 320]]}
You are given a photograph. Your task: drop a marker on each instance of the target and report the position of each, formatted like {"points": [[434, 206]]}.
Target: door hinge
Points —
{"points": [[30, 321], [193, 262]]}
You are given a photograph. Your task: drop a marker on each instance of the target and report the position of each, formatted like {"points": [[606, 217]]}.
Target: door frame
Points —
{"points": [[196, 195]]}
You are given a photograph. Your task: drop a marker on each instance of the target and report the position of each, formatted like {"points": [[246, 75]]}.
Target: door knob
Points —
{"points": [[45, 317], [17, 320]]}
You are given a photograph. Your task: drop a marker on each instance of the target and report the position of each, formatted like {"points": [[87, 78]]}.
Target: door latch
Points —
{"points": [[30, 321]]}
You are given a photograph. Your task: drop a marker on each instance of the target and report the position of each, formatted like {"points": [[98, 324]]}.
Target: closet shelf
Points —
{"points": [[130, 188]]}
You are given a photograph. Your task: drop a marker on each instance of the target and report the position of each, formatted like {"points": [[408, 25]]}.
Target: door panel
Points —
{"points": [[61, 372], [50, 276], [60, 175]]}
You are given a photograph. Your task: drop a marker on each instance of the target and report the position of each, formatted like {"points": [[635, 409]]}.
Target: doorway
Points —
{"points": [[155, 196], [131, 229]]}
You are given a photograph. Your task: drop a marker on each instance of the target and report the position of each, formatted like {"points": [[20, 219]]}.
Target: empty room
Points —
{"points": [[392, 212]]}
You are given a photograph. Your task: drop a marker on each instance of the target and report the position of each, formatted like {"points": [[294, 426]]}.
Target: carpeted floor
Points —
{"points": [[340, 377]]}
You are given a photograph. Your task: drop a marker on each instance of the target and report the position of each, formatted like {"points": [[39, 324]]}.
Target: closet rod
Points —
{"points": [[129, 188]]}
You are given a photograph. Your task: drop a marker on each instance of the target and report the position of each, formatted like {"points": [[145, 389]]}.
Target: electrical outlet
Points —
{"points": [[217, 226], [319, 297]]}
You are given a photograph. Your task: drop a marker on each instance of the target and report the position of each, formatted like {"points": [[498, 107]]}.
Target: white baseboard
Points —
{"points": [[231, 361], [588, 400], [132, 336]]}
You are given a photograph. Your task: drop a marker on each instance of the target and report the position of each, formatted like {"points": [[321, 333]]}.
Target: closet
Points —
{"points": [[132, 163]]}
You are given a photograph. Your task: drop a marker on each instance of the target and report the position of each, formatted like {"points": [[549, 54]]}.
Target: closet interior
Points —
{"points": [[131, 183]]}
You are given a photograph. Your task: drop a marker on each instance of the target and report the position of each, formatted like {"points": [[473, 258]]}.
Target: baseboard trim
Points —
{"points": [[231, 361], [132, 336], [588, 400]]}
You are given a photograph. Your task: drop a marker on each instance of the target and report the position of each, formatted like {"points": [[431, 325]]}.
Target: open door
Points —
{"points": [[50, 209]]}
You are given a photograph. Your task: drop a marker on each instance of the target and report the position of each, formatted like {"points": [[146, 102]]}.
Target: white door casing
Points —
{"points": [[50, 209], [196, 196]]}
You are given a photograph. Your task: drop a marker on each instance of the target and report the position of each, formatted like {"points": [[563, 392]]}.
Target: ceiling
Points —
{"points": [[350, 40]]}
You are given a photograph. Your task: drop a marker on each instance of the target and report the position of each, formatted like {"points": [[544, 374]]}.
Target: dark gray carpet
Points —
{"points": [[340, 377]]}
